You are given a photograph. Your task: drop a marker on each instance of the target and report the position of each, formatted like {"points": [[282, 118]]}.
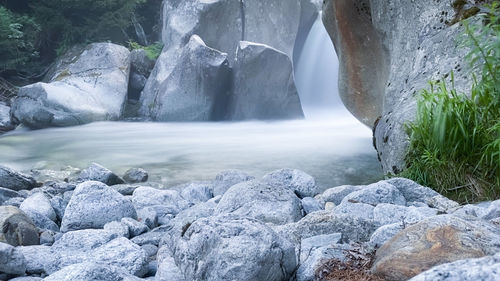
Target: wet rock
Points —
{"points": [[91, 271], [261, 201], [310, 205], [298, 181], [94, 204], [375, 194], [11, 179], [16, 228], [254, 95], [247, 250], [85, 85], [226, 179], [6, 194], [135, 175], [96, 172], [11, 260], [39, 203], [434, 241], [135, 227]]}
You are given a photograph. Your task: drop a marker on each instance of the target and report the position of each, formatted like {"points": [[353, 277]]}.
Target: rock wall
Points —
{"points": [[389, 51]]}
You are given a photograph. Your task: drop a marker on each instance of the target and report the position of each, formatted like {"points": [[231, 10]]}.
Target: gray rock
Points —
{"points": [[148, 216], [27, 278], [37, 258], [94, 204], [125, 189], [442, 203], [248, 250], [14, 180], [167, 269], [135, 175], [141, 63], [150, 250], [16, 202], [5, 122], [11, 260], [124, 254], [481, 269], [17, 228], [310, 205], [359, 210], [308, 245], [375, 194], [337, 194], [164, 202], [153, 237], [384, 234], [255, 96], [226, 179], [39, 203], [388, 214], [135, 228], [118, 228], [307, 269], [96, 172], [197, 192], [47, 238], [59, 206], [41, 221], [85, 85], [91, 271], [195, 90], [261, 201], [298, 181], [7, 194], [493, 211], [412, 191]]}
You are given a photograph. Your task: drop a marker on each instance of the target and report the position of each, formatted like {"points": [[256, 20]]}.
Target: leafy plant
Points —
{"points": [[455, 139], [153, 51]]}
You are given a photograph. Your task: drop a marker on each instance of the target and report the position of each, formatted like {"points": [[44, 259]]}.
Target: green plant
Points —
{"points": [[153, 51], [455, 139]]}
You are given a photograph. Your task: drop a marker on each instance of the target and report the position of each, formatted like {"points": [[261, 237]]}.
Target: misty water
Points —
{"points": [[330, 144]]}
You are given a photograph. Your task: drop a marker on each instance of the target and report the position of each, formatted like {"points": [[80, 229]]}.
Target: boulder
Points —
{"points": [[96, 172], [359, 210], [255, 96], [11, 260], [5, 122], [436, 240], [7, 194], [135, 228], [337, 194], [377, 193], [412, 191], [41, 221], [310, 205], [261, 201], [384, 234], [123, 254], [118, 228], [94, 204], [14, 180], [39, 203], [232, 248], [140, 63], [135, 175], [164, 202], [125, 189], [317, 256], [387, 214], [16, 228], [91, 271], [196, 89], [484, 269], [224, 180], [167, 269], [196, 192], [298, 181], [85, 85], [148, 216]]}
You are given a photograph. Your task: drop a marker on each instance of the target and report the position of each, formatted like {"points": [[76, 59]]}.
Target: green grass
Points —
{"points": [[455, 139], [153, 51]]}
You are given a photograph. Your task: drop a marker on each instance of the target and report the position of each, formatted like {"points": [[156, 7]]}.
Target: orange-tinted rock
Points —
{"points": [[437, 240]]}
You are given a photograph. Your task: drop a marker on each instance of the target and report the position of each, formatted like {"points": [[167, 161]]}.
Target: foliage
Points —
{"points": [[17, 37], [153, 51], [455, 140]]}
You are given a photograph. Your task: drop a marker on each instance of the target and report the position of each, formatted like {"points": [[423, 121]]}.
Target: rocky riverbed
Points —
{"points": [[96, 225]]}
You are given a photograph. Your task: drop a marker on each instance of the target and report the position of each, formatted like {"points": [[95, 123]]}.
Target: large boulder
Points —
{"points": [[298, 181], [195, 90], [261, 201], [224, 180], [93, 204], [231, 248], [86, 84], [11, 260], [16, 228], [434, 241], [255, 96], [164, 202], [14, 180]]}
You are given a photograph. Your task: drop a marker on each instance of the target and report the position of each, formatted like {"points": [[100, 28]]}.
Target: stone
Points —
{"points": [[310, 205], [196, 192], [150, 250], [310, 244], [39, 203], [135, 227], [84, 85], [96, 172], [307, 268], [484, 269], [167, 269], [152, 237], [226, 179], [59, 205], [135, 175], [298, 181], [384, 234], [375, 194], [37, 257], [11, 260], [124, 254], [164, 202], [360, 210], [118, 228], [27, 278], [232, 248], [261, 201], [195, 90], [492, 212], [148, 216], [7, 194], [125, 189], [91, 271], [16, 181], [412, 191], [5, 122], [433, 241], [254, 95], [329, 206], [94, 204], [16, 228], [16, 202], [140, 63], [41, 221], [387, 214], [47, 238], [337, 194]]}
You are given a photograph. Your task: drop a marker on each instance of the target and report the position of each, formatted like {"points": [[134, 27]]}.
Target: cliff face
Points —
{"points": [[389, 51]]}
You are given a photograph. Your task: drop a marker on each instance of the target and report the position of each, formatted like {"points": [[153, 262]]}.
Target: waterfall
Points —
{"points": [[316, 74]]}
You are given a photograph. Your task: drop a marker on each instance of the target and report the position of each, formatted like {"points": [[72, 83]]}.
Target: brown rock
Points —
{"points": [[437, 240], [16, 228]]}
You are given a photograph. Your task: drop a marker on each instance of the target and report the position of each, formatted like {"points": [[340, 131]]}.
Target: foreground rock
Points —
{"points": [[255, 96], [299, 182], [434, 241], [96, 172], [86, 84], [16, 228], [14, 180], [5, 122], [91, 271], [246, 250], [11, 260], [195, 90], [94, 204]]}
